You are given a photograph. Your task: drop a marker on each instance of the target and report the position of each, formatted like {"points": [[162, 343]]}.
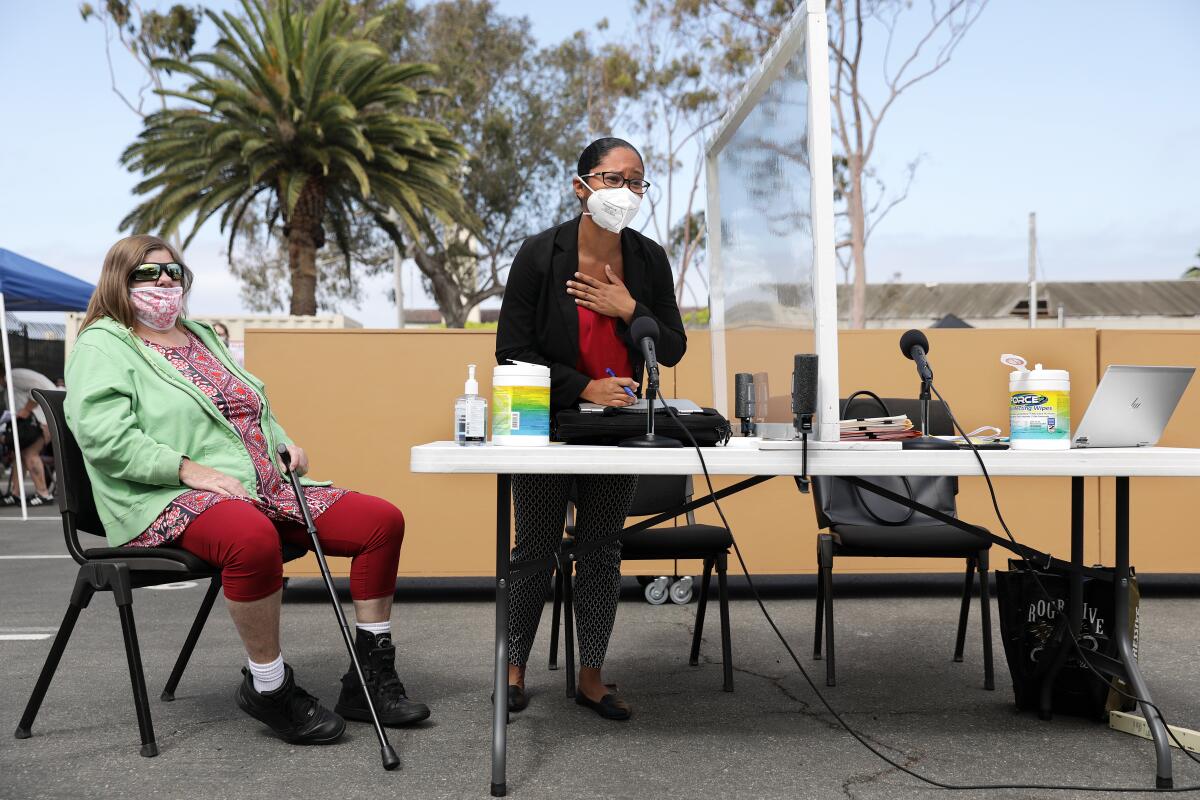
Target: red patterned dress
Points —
{"points": [[239, 404]]}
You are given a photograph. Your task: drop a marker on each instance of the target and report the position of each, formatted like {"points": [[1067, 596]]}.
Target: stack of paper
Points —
{"points": [[878, 428]]}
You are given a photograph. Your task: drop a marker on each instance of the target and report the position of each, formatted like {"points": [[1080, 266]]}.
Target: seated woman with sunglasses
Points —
{"points": [[179, 443]]}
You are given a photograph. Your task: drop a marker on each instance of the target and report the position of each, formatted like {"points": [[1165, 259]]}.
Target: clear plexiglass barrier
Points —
{"points": [[770, 209]]}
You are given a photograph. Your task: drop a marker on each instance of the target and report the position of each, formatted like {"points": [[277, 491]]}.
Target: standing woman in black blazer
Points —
{"points": [[572, 293]]}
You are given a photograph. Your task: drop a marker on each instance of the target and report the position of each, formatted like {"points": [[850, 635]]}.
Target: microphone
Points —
{"points": [[644, 331], [915, 346], [743, 403], [804, 391]]}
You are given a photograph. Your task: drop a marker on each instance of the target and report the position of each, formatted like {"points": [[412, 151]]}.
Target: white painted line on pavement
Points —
{"points": [[175, 585], [23, 637], [14, 558], [28, 630]]}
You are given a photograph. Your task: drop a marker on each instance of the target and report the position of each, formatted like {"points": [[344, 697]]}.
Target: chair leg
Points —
{"points": [[569, 626], [123, 595], [189, 644], [818, 624], [985, 609], [80, 597], [726, 643], [825, 550], [701, 606], [965, 611], [558, 598]]}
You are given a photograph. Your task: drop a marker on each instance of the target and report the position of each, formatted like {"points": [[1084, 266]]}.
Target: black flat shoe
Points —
{"points": [[611, 706], [517, 699]]}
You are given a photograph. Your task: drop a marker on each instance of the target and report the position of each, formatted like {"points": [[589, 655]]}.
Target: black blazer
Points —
{"points": [[539, 321]]}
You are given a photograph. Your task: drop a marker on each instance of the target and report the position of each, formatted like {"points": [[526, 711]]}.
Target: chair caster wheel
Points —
{"points": [[681, 591], [658, 590]]}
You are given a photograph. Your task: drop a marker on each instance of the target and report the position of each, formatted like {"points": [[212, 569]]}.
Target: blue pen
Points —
{"points": [[612, 374]]}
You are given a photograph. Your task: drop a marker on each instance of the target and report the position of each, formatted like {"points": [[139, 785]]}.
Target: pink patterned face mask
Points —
{"points": [[157, 307]]}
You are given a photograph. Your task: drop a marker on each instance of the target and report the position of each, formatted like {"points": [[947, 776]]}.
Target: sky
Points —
{"points": [[1086, 112]]}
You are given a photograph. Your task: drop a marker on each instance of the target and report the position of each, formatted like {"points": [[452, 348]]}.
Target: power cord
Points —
{"points": [[829, 707]]}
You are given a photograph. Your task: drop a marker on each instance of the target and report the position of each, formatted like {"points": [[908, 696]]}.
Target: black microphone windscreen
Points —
{"points": [[911, 339], [743, 394], [804, 384], [644, 328]]}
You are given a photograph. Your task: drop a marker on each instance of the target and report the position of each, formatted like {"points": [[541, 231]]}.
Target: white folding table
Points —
{"points": [[744, 458]]}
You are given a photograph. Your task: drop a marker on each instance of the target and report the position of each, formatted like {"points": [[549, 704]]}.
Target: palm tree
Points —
{"points": [[303, 112]]}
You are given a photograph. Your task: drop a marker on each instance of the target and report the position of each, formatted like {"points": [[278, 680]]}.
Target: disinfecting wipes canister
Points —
{"points": [[521, 404], [1039, 408]]}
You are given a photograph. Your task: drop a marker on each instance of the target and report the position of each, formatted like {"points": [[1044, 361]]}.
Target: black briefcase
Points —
{"points": [[612, 425]]}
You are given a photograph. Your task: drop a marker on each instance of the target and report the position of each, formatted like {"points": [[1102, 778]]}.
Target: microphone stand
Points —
{"points": [[650, 438], [925, 441]]}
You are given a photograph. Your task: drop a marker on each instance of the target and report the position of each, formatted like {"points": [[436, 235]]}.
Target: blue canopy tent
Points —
{"points": [[26, 285]]}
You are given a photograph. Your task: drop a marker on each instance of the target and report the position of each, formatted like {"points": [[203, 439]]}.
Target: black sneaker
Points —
{"points": [[378, 658], [294, 714]]}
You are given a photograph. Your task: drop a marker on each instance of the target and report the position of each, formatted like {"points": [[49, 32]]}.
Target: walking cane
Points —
{"points": [[390, 759]]}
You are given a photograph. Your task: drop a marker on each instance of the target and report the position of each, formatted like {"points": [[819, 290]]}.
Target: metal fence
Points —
{"points": [[36, 346]]}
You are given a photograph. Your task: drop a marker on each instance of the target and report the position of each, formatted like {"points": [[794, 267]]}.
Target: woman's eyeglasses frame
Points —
{"points": [[636, 185]]}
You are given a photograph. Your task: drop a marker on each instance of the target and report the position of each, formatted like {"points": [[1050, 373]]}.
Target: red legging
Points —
{"points": [[246, 544]]}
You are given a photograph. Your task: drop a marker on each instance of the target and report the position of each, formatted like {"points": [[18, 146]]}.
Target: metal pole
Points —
{"points": [[499, 785], [398, 275], [17, 465], [1032, 269], [1062, 316]]}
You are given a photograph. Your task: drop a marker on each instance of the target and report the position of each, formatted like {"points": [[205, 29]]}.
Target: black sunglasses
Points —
{"points": [[151, 271]]}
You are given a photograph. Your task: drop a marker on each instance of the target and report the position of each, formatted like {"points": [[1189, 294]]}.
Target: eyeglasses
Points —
{"points": [[615, 180], [151, 271]]}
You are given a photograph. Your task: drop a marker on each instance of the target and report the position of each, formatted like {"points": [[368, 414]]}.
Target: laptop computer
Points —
{"points": [[1132, 406]]}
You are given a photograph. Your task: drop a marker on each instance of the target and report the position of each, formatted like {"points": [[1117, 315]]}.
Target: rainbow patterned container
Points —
{"points": [[521, 405]]}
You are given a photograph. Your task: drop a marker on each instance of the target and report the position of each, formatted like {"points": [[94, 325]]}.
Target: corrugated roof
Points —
{"points": [[1175, 298]]}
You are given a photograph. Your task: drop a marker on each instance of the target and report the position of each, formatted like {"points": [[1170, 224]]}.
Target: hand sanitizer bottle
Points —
{"points": [[470, 413]]}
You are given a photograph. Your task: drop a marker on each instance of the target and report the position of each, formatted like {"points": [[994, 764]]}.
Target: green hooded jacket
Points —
{"points": [[135, 417]]}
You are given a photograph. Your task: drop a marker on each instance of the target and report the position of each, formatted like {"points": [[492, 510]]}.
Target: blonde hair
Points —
{"points": [[111, 298]]}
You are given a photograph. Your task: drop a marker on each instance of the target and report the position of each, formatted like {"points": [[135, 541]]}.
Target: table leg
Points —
{"points": [[1074, 599], [500, 683], [1125, 652]]}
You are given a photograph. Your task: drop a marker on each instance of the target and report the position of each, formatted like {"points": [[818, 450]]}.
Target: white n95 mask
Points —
{"points": [[612, 209]]}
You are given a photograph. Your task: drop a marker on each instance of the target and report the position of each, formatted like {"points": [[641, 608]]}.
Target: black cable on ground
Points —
{"points": [[812, 685]]}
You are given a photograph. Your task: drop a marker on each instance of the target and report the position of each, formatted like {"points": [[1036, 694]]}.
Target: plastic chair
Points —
{"points": [[927, 539], [656, 494], [119, 570]]}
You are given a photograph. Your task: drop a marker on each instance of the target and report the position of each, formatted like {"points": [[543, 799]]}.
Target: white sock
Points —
{"points": [[267, 677], [377, 628]]}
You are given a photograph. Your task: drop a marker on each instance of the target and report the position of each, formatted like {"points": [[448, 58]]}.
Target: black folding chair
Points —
{"points": [[656, 494], [849, 516], [119, 570]]}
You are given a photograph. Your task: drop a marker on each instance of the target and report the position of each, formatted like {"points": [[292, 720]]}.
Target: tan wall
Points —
{"points": [[359, 399]]}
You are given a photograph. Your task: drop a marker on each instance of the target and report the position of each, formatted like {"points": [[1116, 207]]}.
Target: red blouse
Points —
{"points": [[600, 347]]}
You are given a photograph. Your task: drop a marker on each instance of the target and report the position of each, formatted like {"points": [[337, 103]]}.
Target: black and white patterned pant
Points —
{"points": [[540, 506]]}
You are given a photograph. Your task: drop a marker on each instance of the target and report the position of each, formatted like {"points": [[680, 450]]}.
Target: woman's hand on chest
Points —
{"points": [[608, 297]]}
